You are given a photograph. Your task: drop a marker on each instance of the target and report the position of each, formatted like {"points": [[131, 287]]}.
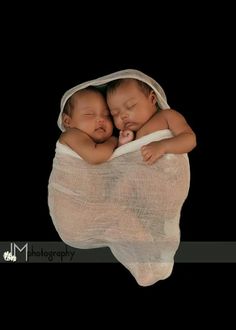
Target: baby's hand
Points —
{"points": [[125, 137], [152, 152]]}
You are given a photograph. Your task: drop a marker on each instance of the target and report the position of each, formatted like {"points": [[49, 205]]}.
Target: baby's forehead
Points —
{"points": [[87, 96], [125, 86], [87, 92], [128, 81], [86, 99]]}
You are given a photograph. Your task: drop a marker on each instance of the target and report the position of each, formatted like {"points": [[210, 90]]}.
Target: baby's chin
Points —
{"points": [[101, 139]]}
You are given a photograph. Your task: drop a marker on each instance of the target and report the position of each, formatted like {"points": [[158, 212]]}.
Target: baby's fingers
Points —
{"points": [[146, 155], [151, 161], [144, 149], [144, 152]]}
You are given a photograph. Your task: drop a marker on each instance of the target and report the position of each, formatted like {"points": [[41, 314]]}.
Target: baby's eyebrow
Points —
{"points": [[87, 108], [130, 100]]}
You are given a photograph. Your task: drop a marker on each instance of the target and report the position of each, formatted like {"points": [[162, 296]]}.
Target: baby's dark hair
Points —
{"points": [[70, 103], [113, 85]]}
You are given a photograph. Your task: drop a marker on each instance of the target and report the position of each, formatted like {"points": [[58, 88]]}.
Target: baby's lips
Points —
{"points": [[100, 128], [128, 124]]}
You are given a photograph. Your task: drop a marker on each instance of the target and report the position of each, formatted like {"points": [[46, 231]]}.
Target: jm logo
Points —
{"points": [[11, 256]]}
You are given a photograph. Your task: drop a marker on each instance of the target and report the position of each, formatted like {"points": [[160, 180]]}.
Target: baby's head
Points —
{"points": [[131, 102], [87, 110]]}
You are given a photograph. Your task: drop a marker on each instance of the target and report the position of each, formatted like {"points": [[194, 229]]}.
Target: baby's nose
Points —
{"points": [[100, 119], [124, 115]]}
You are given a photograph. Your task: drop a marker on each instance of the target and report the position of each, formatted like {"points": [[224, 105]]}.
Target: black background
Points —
{"points": [[193, 60]]}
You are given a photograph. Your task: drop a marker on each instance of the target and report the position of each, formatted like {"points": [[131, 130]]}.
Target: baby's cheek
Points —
{"points": [[110, 125]]}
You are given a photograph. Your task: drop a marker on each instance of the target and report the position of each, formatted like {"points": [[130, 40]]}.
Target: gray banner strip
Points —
{"points": [[58, 252]]}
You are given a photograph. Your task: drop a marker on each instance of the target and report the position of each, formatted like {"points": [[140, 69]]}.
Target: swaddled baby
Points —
{"points": [[134, 107]]}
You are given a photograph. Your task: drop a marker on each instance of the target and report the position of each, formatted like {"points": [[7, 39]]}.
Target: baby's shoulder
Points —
{"points": [[167, 113], [163, 112], [160, 115]]}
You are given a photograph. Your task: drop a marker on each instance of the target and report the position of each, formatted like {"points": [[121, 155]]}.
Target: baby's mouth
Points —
{"points": [[100, 129], [128, 125]]}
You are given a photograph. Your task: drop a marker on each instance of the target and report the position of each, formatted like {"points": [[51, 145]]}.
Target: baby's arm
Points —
{"points": [[184, 139], [125, 137], [84, 146]]}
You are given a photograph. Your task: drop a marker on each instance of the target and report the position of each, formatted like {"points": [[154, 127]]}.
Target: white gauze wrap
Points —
{"points": [[124, 204]]}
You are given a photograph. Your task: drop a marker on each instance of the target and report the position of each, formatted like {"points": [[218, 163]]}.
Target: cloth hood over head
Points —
{"points": [[129, 73]]}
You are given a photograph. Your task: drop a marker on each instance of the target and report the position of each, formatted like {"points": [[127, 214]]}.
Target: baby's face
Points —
{"points": [[91, 115], [130, 107]]}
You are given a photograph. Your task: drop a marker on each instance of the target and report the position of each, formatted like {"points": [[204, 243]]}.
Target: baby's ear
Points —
{"points": [[153, 98], [66, 120]]}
